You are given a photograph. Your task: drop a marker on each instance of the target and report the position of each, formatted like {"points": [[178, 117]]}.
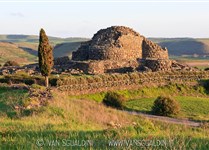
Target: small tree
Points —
{"points": [[45, 55]]}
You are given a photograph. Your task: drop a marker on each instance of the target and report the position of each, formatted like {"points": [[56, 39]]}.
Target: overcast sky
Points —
{"points": [[83, 19]]}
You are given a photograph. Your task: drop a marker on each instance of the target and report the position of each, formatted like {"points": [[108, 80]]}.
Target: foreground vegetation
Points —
{"points": [[67, 119], [194, 108], [152, 92]]}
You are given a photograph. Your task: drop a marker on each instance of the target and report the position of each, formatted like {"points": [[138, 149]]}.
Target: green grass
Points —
{"points": [[149, 92], [193, 100], [67, 118], [10, 98], [98, 97], [25, 136], [195, 108]]}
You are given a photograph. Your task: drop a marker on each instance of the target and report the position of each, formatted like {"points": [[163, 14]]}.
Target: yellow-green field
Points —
{"points": [[68, 120], [195, 108]]}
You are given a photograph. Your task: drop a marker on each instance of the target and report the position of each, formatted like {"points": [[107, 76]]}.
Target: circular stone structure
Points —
{"points": [[113, 43]]}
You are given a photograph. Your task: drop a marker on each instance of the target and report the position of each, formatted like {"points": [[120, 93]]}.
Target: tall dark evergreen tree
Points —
{"points": [[45, 55]]}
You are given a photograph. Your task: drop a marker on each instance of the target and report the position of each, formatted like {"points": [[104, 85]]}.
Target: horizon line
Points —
{"points": [[108, 1], [54, 36]]}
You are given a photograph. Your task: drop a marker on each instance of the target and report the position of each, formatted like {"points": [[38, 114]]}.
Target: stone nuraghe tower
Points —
{"points": [[121, 49]]}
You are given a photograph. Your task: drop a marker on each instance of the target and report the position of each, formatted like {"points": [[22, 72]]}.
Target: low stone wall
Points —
{"points": [[158, 64], [61, 60], [109, 82], [98, 67], [109, 66]]}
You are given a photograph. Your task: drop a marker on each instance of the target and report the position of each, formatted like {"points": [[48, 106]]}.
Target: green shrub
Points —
{"points": [[206, 69], [114, 100], [206, 85], [165, 106], [11, 63], [53, 81], [29, 81], [5, 80], [27, 112], [13, 115]]}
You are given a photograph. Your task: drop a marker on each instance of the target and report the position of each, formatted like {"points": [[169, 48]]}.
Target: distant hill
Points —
{"points": [[35, 39], [11, 51], [184, 46], [23, 48], [65, 49]]}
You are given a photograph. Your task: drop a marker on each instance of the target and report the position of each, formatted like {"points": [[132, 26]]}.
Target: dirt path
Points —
{"points": [[167, 119]]}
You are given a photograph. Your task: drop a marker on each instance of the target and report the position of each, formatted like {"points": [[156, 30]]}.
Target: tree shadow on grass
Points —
{"points": [[137, 111], [30, 51]]}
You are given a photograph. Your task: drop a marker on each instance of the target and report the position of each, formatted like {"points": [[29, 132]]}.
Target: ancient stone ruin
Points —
{"points": [[121, 49], [114, 43], [115, 49]]}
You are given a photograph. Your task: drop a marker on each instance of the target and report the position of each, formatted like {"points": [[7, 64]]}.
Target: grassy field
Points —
{"points": [[199, 62], [195, 108], [150, 92], [194, 101], [66, 121]]}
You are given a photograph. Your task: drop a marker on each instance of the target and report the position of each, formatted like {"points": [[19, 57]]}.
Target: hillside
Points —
{"points": [[65, 49], [184, 46], [34, 39], [23, 48], [11, 51]]}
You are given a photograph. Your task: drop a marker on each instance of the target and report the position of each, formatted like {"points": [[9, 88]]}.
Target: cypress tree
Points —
{"points": [[45, 55]]}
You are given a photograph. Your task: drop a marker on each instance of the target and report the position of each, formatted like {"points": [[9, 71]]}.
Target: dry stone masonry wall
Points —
{"points": [[108, 82], [114, 43], [152, 50], [159, 64]]}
